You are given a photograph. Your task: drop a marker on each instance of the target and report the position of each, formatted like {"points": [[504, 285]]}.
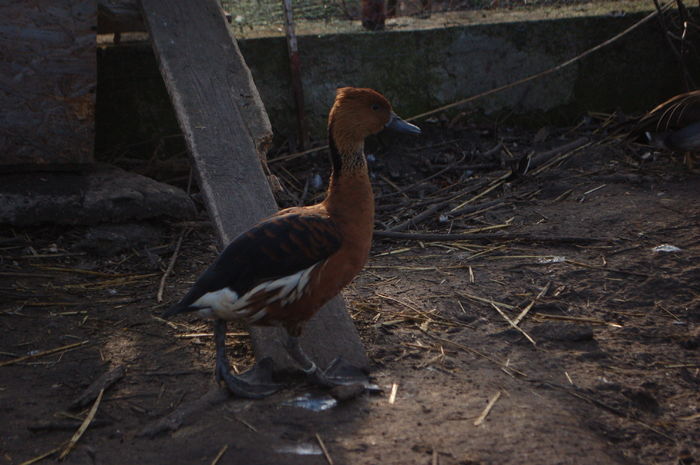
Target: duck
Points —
{"points": [[285, 268], [674, 125]]}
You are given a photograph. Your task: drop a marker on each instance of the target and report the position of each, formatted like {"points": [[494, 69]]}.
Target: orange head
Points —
{"points": [[358, 113]]}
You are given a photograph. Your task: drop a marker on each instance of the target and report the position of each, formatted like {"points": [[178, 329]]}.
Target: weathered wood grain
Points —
{"points": [[223, 121], [48, 76]]}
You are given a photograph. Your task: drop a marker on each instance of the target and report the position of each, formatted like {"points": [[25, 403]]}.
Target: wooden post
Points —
{"points": [[295, 68], [223, 121], [373, 14]]}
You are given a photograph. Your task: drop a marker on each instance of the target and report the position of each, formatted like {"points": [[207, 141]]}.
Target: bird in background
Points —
{"points": [[285, 268], [674, 125]]}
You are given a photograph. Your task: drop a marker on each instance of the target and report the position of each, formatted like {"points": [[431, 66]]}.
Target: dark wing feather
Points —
{"points": [[278, 246], [676, 112]]}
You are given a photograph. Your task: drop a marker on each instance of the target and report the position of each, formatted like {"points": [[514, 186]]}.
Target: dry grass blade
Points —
{"points": [[122, 281], [426, 316], [323, 448], [544, 157], [78, 434], [609, 270], [488, 408], [42, 456], [493, 186], [502, 365], [525, 311], [577, 319], [292, 156], [392, 395], [228, 333], [171, 265], [485, 300], [244, 423], [81, 271], [43, 353], [219, 455], [510, 322]]}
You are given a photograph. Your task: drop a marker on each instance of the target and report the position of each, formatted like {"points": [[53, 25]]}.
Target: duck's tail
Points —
{"points": [[179, 307]]}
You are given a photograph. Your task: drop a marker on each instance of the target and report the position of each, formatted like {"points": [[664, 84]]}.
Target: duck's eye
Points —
{"points": [[375, 106]]}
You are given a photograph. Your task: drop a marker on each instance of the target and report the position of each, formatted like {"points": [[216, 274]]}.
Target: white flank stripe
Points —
{"points": [[284, 290]]}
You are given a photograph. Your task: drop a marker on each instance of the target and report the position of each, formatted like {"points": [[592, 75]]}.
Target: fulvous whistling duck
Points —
{"points": [[282, 270], [675, 125]]}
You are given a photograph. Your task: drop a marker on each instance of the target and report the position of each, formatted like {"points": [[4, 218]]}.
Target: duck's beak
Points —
{"points": [[397, 124]]}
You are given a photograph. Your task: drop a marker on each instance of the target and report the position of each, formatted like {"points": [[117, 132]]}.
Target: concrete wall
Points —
{"points": [[424, 69], [47, 82]]}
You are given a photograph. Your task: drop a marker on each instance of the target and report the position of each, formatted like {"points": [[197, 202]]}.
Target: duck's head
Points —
{"points": [[358, 113]]}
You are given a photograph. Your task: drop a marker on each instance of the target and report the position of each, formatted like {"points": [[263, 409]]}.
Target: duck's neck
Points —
{"points": [[349, 197]]}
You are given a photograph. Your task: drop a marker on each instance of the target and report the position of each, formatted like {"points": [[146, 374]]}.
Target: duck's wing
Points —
{"points": [[273, 259]]}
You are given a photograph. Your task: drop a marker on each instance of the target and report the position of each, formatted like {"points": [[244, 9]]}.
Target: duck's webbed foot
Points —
{"points": [[255, 383], [338, 373]]}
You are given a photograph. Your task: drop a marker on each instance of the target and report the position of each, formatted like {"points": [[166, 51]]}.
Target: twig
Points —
{"points": [[41, 354], [510, 322], [185, 412], [396, 188], [219, 455], [99, 385], [541, 158], [544, 73], [171, 265], [561, 157], [78, 434], [323, 448], [418, 218], [488, 408]]}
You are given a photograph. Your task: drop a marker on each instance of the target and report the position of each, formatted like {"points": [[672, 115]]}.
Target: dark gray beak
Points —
{"points": [[397, 124]]}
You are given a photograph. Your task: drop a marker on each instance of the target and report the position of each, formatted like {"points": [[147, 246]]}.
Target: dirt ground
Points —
{"points": [[604, 367]]}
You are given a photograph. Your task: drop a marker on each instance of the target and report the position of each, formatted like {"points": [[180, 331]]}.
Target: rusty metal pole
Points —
{"points": [[295, 68]]}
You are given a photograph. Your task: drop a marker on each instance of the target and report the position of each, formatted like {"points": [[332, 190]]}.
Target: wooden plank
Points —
{"points": [[119, 16], [224, 122], [48, 77]]}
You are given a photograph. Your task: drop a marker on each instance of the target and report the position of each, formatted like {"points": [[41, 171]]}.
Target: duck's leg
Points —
{"points": [[338, 373], [254, 383]]}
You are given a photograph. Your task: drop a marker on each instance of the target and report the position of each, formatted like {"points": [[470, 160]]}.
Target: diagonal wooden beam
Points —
{"points": [[226, 128]]}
